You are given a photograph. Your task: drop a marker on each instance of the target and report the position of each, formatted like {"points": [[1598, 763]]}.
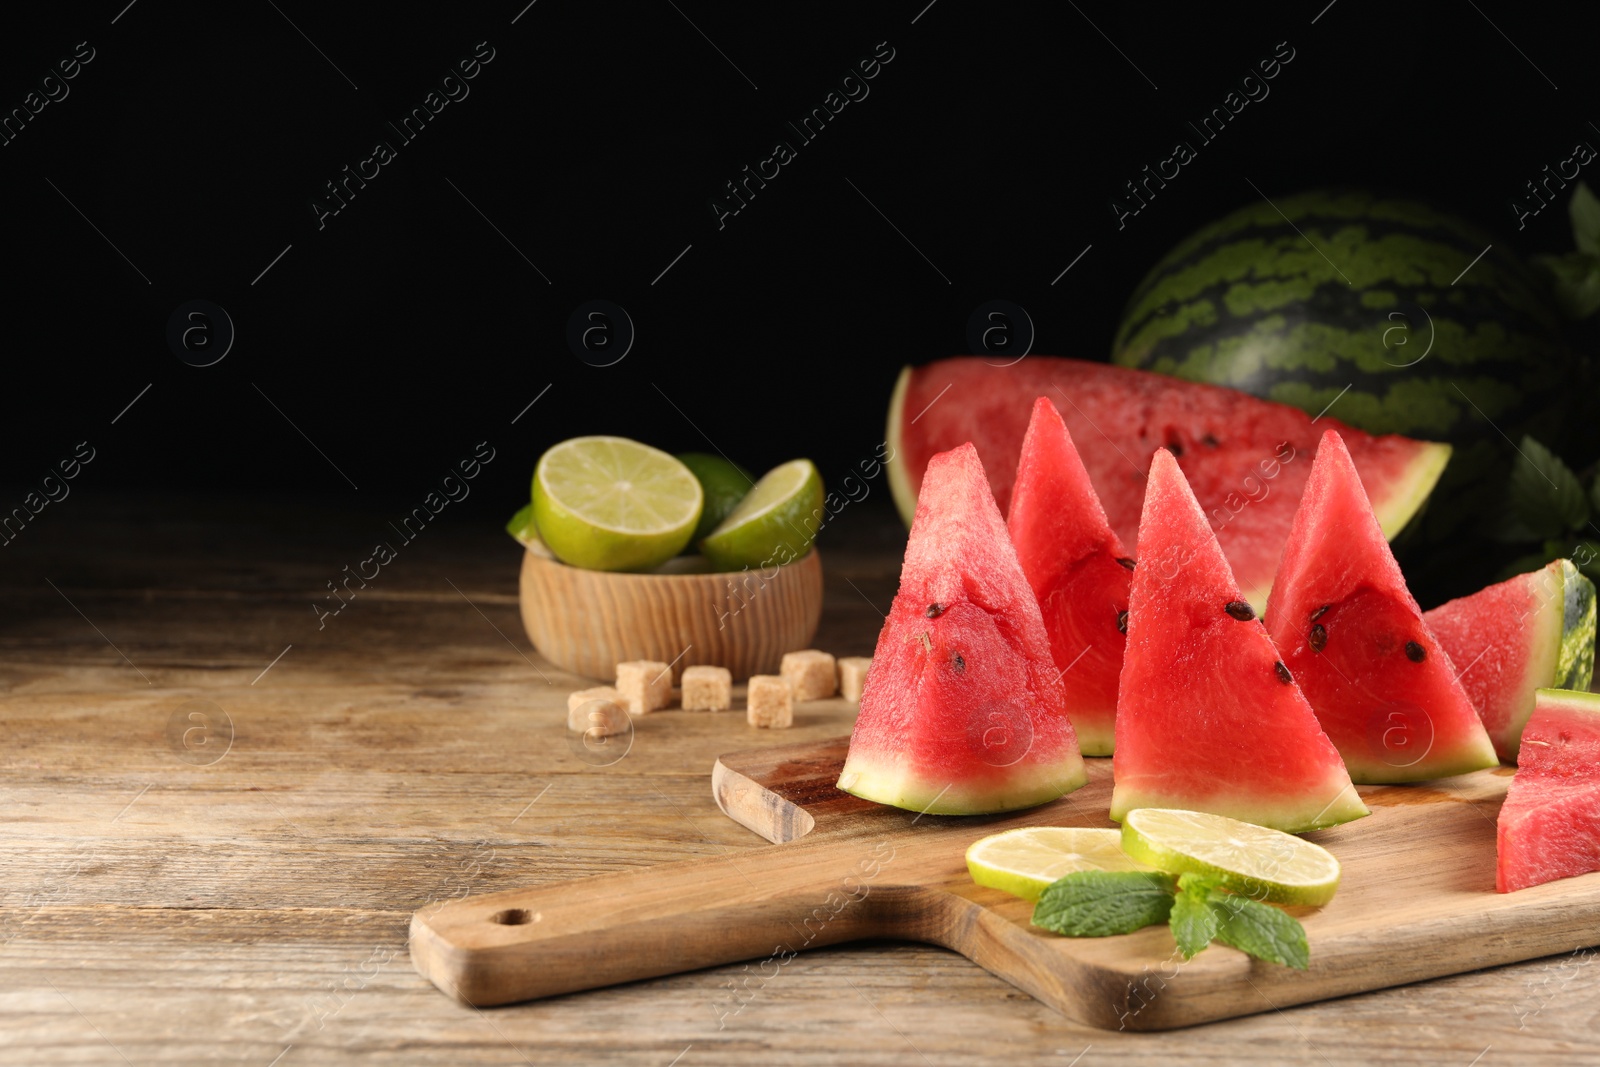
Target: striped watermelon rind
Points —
{"points": [[1546, 618], [1302, 299]]}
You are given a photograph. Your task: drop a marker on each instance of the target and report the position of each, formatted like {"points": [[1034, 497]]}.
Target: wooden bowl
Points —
{"points": [[587, 621]]}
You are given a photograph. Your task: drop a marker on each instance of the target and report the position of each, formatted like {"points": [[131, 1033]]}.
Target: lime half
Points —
{"points": [[611, 504], [774, 524], [1250, 860], [725, 484], [1023, 862]]}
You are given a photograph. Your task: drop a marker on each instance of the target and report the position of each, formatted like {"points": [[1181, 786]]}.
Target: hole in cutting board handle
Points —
{"points": [[511, 917]]}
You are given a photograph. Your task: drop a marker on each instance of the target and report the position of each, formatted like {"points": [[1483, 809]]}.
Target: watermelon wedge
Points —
{"points": [[1531, 632], [1550, 822], [963, 711], [1079, 572], [1246, 459], [1207, 718], [1350, 631]]}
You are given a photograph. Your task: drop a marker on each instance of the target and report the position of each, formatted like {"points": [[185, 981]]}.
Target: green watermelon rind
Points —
{"points": [[1246, 302], [920, 773], [1297, 817], [1407, 496], [900, 786], [1403, 502], [1559, 649], [900, 486], [1575, 663], [1379, 773], [1564, 659]]}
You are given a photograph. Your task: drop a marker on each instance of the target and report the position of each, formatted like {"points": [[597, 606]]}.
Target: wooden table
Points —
{"points": [[162, 901]]}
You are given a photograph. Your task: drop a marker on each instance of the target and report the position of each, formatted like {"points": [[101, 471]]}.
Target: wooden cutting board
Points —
{"points": [[1417, 901]]}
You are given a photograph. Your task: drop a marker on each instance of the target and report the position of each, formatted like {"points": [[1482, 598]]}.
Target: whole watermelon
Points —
{"points": [[1331, 291], [1389, 315]]}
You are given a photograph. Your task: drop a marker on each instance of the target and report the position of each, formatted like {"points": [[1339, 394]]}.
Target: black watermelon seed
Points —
{"points": [[1415, 652], [1128, 563], [1283, 673], [935, 610], [1318, 639], [1122, 622], [1175, 448], [958, 663], [1315, 615], [1240, 610], [1209, 441]]}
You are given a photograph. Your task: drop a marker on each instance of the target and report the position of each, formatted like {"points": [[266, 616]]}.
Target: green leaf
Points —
{"points": [[1195, 920], [1546, 497], [1196, 882], [1101, 903], [1262, 931], [1574, 280], [1584, 210]]}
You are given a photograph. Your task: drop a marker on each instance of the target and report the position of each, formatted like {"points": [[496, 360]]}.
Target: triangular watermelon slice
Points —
{"points": [[1511, 639], [1351, 632], [963, 711], [1207, 718], [1550, 822], [1079, 572]]}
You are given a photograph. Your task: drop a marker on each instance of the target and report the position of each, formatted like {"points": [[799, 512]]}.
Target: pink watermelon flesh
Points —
{"points": [[1246, 459], [1351, 633], [1550, 822], [1509, 640], [1079, 572], [1205, 719], [963, 711]]}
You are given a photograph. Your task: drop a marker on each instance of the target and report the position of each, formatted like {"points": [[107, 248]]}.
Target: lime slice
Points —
{"points": [[725, 484], [611, 504], [1248, 859], [774, 524], [1023, 862]]}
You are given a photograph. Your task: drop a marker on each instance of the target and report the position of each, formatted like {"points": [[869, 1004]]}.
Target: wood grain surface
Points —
{"points": [[589, 621], [861, 870], [254, 910]]}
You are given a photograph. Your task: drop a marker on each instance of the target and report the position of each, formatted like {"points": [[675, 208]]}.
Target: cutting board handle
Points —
{"points": [[763, 905]]}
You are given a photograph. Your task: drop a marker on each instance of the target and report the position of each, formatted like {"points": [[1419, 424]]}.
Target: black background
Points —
{"points": [[409, 329]]}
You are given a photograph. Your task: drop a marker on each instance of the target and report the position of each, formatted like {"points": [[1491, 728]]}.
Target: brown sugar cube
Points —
{"points": [[707, 689], [645, 685], [599, 692], [770, 701], [852, 676], [598, 717], [811, 673]]}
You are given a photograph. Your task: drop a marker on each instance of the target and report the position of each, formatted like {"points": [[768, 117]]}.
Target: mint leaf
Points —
{"points": [[1546, 497], [1574, 280], [1194, 919], [1101, 903], [1584, 211], [1262, 931]]}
